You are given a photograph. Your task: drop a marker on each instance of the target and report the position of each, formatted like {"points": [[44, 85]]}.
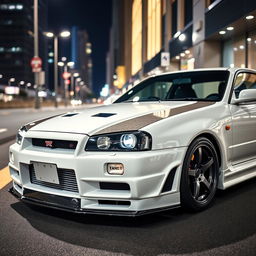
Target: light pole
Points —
{"points": [[73, 87], [65, 75], [77, 81], [36, 51], [63, 34]]}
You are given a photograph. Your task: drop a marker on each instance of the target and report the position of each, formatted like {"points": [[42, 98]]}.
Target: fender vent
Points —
{"points": [[169, 181]]}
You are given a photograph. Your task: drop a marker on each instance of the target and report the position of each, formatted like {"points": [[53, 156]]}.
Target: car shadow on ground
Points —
{"points": [[230, 219]]}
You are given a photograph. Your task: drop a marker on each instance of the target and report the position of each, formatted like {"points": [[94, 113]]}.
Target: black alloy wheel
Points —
{"points": [[199, 176]]}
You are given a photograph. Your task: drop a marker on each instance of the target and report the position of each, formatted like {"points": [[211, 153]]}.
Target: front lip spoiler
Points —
{"points": [[43, 203]]}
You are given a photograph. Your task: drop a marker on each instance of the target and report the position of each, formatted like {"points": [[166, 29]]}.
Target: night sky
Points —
{"points": [[91, 15]]}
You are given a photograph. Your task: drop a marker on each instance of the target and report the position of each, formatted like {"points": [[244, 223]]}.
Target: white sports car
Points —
{"points": [[171, 140]]}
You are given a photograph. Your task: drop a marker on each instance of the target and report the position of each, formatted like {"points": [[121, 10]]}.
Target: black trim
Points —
{"points": [[70, 114], [104, 115], [38, 202], [169, 181], [114, 202], [28, 126], [114, 186]]}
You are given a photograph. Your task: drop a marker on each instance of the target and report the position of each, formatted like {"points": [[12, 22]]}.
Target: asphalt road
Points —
{"points": [[228, 227]]}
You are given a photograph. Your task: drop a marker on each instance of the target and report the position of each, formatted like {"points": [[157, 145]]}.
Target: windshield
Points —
{"points": [[197, 86]]}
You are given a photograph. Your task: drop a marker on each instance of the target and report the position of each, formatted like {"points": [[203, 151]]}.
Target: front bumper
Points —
{"points": [[146, 175], [66, 204]]}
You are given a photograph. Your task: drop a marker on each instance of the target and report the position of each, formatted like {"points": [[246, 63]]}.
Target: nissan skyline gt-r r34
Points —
{"points": [[171, 140]]}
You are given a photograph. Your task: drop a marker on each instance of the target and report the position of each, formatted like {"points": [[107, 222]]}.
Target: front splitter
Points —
{"points": [[68, 204]]}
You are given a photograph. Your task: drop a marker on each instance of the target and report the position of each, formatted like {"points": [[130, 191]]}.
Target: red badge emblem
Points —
{"points": [[48, 143]]}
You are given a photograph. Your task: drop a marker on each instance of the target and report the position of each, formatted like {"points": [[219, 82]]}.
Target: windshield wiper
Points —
{"points": [[150, 98]]}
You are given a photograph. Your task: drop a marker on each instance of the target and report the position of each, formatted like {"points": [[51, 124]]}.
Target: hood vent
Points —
{"points": [[104, 115], [70, 114]]}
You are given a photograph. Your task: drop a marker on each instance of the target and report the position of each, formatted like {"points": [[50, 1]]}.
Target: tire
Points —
{"points": [[199, 176]]}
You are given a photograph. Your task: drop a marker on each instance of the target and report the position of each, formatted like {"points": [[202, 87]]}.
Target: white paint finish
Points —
{"points": [[145, 172]]}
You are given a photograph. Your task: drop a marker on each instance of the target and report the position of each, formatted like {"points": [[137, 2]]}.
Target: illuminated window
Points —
{"points": [[251, 41], [234, 53], [136, 36], [11, 7], [154, 28]]}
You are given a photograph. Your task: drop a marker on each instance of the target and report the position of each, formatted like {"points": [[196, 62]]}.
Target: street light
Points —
{"points": [[49, 34], [11, 80], [1, 76], [63, 34], [71, 64], [22, 82], [60, 64]]}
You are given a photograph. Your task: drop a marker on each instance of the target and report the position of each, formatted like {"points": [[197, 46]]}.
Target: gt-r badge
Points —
{"points": [[48, 143]]}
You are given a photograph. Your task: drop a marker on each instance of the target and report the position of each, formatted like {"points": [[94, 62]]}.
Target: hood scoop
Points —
{"points": [[104, 115], [70, 114]]}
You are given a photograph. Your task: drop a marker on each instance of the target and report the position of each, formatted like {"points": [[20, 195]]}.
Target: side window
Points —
{"points": [[244, 81]]}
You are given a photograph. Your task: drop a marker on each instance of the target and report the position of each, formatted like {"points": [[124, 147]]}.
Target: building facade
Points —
{"points": [[81, 50], [153, 36], [16, 39]]}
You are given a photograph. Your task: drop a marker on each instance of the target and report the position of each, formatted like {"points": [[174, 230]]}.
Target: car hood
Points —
{"points": [[114, 118]]}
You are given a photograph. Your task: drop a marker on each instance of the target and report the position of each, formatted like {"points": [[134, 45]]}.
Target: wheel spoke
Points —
{"points": [[192, 172], [196, 189], [206, 182], [206, 166]]}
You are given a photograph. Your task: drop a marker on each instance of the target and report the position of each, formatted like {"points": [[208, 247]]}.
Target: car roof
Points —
{"points": [[206, 69], [231, 70]]}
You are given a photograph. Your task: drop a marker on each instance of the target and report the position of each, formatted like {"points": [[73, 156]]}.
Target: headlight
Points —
{"points": [[126, 141], [19, 138]]}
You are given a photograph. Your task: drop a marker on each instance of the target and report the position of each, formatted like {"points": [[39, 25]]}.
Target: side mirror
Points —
{"points": [[247, 95]]}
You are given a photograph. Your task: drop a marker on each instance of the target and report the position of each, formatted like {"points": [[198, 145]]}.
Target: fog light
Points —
{"points": [[115, 169], [11, 157]]}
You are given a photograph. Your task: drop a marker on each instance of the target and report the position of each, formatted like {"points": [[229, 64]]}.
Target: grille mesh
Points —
{"points": [[67, 179], [48, 143]]}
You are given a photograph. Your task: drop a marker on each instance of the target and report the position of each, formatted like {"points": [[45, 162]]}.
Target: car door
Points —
{"points": [[243, 121]]}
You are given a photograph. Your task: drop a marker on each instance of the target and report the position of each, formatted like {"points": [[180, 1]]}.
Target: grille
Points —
{"points": [[67, 179], [48, 143]]}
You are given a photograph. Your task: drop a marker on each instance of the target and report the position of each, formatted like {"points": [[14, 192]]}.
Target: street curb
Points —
{"points": [[7, 139]]}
